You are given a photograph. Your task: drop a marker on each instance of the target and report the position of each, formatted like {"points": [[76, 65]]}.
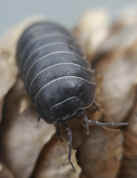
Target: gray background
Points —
{"points": [[64, 11]]}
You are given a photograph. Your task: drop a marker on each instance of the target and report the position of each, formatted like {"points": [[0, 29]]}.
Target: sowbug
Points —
{"points": [[55, 74]]}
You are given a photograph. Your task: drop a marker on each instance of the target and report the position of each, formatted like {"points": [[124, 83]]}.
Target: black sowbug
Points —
{"points": [[55, 74]]}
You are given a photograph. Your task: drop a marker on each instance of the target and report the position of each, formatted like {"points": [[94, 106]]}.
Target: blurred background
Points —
{"points": [[66, 12]]}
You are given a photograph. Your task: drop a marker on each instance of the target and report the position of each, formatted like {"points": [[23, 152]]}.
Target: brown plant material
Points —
{"points": [[7, 74], [119, 39], [22, 136], [5, 172], [101, 153], [122, 35], [8, 68], [1, 108], [7, 77], [116, 84], [53, 161], [115, 64], [91, 31], [82, 176], [127, 18], [129, 163]]}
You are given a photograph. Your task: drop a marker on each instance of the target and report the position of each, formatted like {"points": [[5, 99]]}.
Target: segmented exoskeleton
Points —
{"points": [[55, 73]]}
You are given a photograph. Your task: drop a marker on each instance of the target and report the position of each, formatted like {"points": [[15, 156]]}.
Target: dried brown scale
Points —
{"points": [[122, 33], [8, 68], [128, 17], [5, 172], [101, 153], [1, 109], [7, 77], [114, 60], [116, 81], [53, 161], [129, 163], [82, 176], [120, 40], [7, 72], [22, 136], [90, 33]]}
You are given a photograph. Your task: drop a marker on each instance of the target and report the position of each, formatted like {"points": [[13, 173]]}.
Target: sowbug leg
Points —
{"points": [[113, 124], [69, 137], [86, 124]]}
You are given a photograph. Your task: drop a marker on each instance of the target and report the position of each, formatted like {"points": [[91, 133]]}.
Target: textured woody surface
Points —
{"points": [[7, 76], [116, 71], [53, 162], [115, 62], [116, 84], [22, 136], [5, 172], [101, 153], [91, 31], [8, 68], [129, 163]]}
